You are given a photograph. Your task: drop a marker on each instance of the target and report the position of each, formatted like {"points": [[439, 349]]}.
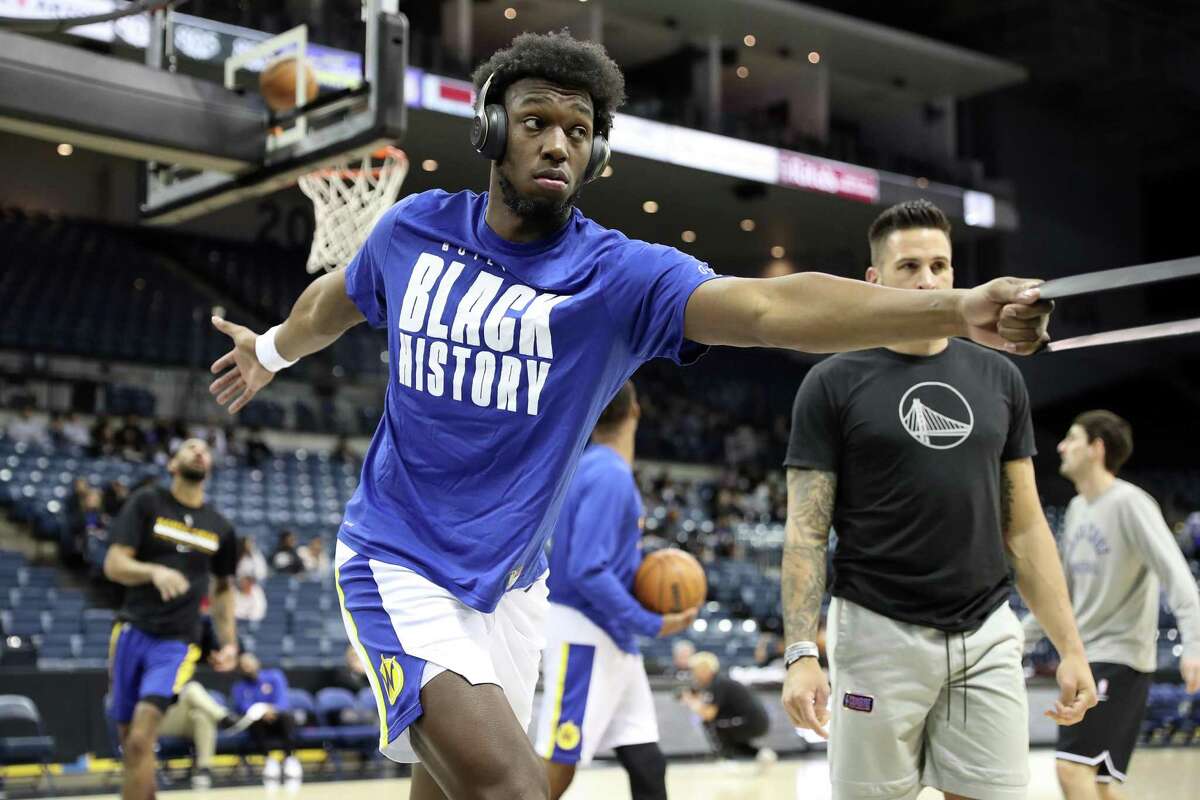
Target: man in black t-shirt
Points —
{"points": [[730, 711], [920, 457], [165, 543]]}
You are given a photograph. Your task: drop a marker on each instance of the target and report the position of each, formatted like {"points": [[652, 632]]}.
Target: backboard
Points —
{"points": [[179, 92]]}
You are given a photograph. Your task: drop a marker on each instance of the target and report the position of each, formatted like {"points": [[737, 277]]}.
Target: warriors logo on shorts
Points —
{"points": [[567, 737], [391, 676]]}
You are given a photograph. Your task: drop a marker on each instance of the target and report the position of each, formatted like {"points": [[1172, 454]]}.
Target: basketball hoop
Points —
{"points": [[348, 199]]}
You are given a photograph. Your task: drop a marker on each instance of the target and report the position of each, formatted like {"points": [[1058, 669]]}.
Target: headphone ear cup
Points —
{"points": [[495, 141], [599, 158], [478, 131]]}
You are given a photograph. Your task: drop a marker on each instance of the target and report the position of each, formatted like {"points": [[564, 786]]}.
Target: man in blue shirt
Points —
{"points": [[596, 693], [262, 695], [512, 320]]}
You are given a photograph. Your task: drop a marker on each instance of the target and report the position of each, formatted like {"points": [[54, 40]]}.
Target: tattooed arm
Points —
{"points": [[1040, 581], [810, 510]]}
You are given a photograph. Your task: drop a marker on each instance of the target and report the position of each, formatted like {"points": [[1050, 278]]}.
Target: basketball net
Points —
{"points": [[348, 199]]}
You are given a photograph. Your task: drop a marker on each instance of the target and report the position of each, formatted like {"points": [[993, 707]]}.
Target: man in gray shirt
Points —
{"points": [[1117, 551]]}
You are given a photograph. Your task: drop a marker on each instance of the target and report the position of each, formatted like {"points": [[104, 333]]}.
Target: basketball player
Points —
{"points": [[920, 456], [1117, 551], [165, 543], [512, 320], [597, 694]]}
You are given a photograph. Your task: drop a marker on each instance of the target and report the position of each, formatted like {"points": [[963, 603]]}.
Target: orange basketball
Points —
{"points": [[278, 84], [669, 581]]}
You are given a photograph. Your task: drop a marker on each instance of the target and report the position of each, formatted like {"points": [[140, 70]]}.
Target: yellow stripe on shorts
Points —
{"points": [[559, 691], [372, 677]]}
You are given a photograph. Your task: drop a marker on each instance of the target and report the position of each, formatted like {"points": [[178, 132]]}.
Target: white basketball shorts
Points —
{"points": [[595, 695], [408, 630]]}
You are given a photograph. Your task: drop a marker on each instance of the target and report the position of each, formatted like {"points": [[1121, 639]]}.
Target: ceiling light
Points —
{"points": [[747, 225], [749, 40], [429, 165], [743, 72], [650, 207], [814, 57], [608, 171], [778, 252], [510, 13], [65, 149], [688, 236]]}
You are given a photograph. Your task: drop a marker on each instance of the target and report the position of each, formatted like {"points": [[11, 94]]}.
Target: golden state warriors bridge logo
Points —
{"points": [[936, 415]]}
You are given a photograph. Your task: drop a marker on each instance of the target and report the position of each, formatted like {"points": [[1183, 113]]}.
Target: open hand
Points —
{"points": [[244, 376]]}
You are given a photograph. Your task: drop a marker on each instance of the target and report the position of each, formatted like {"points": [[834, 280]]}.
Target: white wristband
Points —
{"points": [[268, 356], [798, 650]]}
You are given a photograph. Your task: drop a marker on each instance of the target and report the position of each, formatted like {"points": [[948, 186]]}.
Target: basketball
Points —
{"points": [[278, 84], [669, 581]]}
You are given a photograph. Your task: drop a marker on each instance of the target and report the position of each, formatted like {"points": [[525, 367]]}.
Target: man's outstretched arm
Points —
{"points": [[820, 313], [1039, 577], [322, 313]]}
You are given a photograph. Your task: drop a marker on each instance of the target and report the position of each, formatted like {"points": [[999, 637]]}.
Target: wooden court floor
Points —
{"points": [[1169, 774]]}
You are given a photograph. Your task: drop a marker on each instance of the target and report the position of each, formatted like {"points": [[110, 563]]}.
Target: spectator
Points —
{"points": [[55, 430], [261, 695], [316, 560], [286, 557], [768, 651], [681, 655], [257, 450], [196, 715], [251, 561], [103, 438], [176, 432], [114, 497], [342, 454], [29, 428], [75, 432], [733, 714], [352, 675], [70, 546], [250, 601], [131, 440]]}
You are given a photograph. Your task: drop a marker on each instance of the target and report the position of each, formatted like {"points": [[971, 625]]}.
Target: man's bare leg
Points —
{"points": [[138, 743], [424, 787], [1078, 781], [1110, 791], [560, 776], [472, 745]]}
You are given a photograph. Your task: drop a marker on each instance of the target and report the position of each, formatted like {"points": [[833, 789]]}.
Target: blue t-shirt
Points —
{"points": [[502, 357], [271, 687], [595, 551]]}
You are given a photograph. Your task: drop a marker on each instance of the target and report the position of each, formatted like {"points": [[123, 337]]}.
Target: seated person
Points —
{"points": [[196, 715], [262, 696]]}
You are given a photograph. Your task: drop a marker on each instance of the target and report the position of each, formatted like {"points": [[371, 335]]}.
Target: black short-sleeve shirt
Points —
{"points": [[736, 704], [195, 541], [917, 444]]}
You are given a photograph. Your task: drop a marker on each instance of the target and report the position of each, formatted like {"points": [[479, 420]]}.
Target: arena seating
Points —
{"points": [[54, 307], [306, 492]]}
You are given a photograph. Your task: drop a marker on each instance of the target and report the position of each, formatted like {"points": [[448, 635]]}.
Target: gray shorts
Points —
{"points": [[913, 706]]}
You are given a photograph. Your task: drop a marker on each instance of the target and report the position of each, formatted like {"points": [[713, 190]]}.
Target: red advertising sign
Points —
{"points": [[830, 177]]}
